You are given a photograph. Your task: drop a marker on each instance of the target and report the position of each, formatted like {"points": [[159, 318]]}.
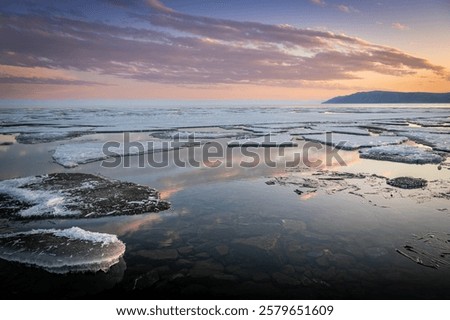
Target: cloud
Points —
{"points": [[399, 26], [159, 6], [346, 9], [38, 75], [343, 8], [321, 3], [52, 81], [175, 48]]}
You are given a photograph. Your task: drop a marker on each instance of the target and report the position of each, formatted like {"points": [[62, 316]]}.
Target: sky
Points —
{"points": [[221, 49]]}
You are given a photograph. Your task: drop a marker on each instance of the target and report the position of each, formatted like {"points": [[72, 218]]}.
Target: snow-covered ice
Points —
{"points": [[401, 153], [27, 202], [75, 195], [71, 155], [62, 250], [352, 142], [439, 142]]}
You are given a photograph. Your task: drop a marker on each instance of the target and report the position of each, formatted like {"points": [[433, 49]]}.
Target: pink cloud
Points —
{"points": [[399, 26], [321, 3]]}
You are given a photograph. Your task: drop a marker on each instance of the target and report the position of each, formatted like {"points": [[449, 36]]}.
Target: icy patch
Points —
{"points": [[75, 233], [71, 155], [30, 203], [324, 128], [373, 188], [209, 135], [74, 154], [271, 128], [432, 122], [42, 137], [62, 251], [75, 195], [282, 140], [352, 142], [438, 141], [396, 153], [342, 129]]}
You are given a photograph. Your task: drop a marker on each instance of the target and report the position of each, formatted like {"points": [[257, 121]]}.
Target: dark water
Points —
{"points": [[230, 235]]}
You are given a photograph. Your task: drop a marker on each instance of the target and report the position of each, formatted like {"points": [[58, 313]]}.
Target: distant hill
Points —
{"points": [[392, 97]]}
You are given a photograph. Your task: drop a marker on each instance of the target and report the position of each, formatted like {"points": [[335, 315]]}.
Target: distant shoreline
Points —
{"points": [[391, 97]]}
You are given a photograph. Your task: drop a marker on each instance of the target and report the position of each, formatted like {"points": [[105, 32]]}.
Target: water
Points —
{"points": [[229, 234]]}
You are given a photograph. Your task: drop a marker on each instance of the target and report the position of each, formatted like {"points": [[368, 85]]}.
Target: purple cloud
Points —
{"points": [[183, 49], [52, 81]]}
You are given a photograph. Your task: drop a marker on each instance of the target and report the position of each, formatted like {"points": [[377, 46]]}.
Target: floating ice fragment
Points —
{"points": [[62, 251], [281, 140], [75, 195], [400, 153], [72, 154], [352, 142]]}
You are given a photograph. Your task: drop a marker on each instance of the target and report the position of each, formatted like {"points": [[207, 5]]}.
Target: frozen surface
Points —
{"points": [[27, 202], [396, 153], [324, 128], [73, 154], [70, 155], [75, 195], [62, 251], [351, 142], [440, 122], [36, 121], [174, 134], [280, 140], [439, 142], [42, 137], [341, 129]]}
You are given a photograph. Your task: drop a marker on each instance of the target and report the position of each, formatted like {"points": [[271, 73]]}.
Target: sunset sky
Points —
{"points": [[221, 49]]}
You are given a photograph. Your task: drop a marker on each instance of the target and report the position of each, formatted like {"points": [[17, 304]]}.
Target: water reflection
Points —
{"points": [[7, 139], [22, 282]]}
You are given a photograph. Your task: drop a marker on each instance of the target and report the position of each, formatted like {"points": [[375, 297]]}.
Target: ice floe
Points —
{"points": [[375, 189], [208, 135], [77, 195], [281, 140], [42, 137], [352, 142], [19, 199], [354, 130], [62, 250], [401, 153], [324, 128], [73, 154], [438, 141]]}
